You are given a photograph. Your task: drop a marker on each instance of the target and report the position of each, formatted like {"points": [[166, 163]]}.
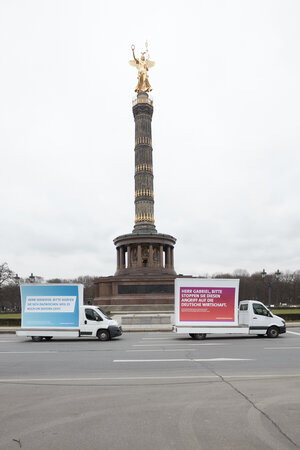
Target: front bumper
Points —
{"points": [[115, 331], [282, 329]]}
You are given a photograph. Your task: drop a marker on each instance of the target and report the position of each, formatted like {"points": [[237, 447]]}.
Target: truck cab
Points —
{"points": [[260, 319], [94, 322]]}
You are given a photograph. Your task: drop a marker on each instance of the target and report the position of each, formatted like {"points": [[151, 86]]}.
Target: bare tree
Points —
{"points": [[9, 291], [238, 273], [6, 275]]}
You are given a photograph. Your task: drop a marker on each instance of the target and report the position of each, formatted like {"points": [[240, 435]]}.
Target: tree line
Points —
{"points": [[284, 292], [10, 299]]}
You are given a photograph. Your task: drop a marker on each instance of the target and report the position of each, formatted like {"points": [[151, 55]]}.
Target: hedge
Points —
{"points": [[10, 322], [290, 317]]}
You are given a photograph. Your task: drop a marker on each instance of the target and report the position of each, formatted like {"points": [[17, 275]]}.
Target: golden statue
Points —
{"points": [[143, 65]]}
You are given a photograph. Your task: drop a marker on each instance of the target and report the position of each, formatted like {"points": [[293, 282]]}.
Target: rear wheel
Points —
{"points": [[198, 336], [103, 335], [48, 338], [273, 332], [36, 338]]}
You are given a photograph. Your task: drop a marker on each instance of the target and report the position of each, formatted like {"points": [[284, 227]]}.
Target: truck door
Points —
{"points": [[260, 319], [244, 314], [90, 323]]}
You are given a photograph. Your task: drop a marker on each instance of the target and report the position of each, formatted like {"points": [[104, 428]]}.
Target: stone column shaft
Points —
{"points": [[150, 255], [122, 258], [128, 256], [161, 256], [168, 257], [144, 196], [172, 257], [118, 258], [139, 255]]}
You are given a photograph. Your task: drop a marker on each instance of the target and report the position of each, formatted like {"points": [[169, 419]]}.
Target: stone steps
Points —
{"points": [[145, 322], [139, 309]]}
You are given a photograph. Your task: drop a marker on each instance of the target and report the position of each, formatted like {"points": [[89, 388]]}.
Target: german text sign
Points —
{"points": [[51, 305], [207, 304], [206, 301]]}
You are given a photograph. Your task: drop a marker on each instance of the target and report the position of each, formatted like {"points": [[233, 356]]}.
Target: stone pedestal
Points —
{"points": [[144, 292]]}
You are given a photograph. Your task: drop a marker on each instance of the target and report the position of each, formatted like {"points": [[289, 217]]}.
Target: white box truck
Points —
{"points": [[57, 310], [210, 306]]}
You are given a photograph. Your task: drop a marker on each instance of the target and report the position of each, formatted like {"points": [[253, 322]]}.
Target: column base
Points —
{"points": [[146, 255], [144, 227]]}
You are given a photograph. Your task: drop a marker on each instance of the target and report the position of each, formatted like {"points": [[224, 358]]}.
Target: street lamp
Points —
{"points": [[31, 278], [17, 278], [270, 283]]}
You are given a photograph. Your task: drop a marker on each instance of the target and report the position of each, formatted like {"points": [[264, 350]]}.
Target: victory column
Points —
{"points": [[142, 111], [145, 258]]}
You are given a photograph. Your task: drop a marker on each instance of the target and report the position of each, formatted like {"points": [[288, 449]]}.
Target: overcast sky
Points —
{"points": [[225, 128]]}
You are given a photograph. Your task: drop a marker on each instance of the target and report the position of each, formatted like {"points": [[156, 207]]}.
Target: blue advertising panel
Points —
{"points": [[51, 305]]}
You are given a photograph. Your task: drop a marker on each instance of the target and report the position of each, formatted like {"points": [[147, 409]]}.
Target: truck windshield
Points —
{"points": [[104, 314]]}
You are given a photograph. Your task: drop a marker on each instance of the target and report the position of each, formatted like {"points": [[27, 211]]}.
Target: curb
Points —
{"points": [[142, 328]]}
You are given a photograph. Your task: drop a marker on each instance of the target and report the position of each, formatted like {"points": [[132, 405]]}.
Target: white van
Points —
{"points": [[253, 318], [210, 306], [57, 310]]}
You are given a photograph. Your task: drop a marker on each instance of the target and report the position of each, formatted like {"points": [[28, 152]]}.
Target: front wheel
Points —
{"points": [[36, 338], [198, 336], [273, 332], [103, 335]]}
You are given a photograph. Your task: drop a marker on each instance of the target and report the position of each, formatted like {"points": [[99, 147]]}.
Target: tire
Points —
{"points": [[36, 338], [103, 335], [198, 336], [48, 338], [273, 332]]}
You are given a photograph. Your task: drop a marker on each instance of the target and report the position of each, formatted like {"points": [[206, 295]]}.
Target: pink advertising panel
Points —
{"points": [[211, 304]]}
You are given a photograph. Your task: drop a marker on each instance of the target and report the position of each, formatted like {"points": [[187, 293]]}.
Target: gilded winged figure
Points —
{"points": [[143, 65]]}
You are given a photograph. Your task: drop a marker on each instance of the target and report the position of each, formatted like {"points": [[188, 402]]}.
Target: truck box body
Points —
{"points": [[49, 306], [57, 310], [210, 306]]}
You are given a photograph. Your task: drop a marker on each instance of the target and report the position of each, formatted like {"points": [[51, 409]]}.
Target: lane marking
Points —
{"points": [[224, 359], [167, 350], [22, 353], [179, 377], [150, 360], [269, 375], [180, 360], [280, 348], [157, 339], [172, 345], [188, 377], [293, 332]]}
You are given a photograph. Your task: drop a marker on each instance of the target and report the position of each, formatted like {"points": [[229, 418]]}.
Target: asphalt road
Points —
{"points": [[150, 391]]}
